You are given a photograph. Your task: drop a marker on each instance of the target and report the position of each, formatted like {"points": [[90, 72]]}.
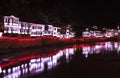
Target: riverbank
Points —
{"points": [[7, 42], [14, 43]]}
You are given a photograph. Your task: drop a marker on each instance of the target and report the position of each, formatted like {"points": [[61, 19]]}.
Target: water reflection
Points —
{"points": [[30, 65], [100, 47], [24, 66]]}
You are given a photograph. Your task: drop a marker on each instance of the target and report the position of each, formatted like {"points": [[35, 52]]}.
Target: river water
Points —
{"points": [[92, 60]]}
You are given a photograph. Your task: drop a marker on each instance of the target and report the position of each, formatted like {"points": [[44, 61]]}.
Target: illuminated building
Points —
{"points": [[55, 31], [67, 32], [48, 30], [96, 33], [9, 25], [111, 33], [86, 33], [37, 29], [25, 28]]}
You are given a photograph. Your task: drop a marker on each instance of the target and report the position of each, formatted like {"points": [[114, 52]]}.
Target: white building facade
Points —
{"points": [[12, 25], [37, 30]]}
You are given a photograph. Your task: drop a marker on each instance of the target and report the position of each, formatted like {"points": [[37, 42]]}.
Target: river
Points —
{"points": [[94, 60]]}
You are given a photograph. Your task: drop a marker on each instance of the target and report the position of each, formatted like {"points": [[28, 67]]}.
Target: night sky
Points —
{"points": [[80, 14]]}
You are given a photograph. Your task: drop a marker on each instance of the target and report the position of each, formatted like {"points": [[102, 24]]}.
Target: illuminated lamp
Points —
{"points": [[1, 34], [9, 31], [0, 70]]}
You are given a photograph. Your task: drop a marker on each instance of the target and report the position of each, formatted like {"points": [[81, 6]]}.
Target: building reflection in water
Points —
{"points": [[37, 64], [31, 65], [100, 47]]}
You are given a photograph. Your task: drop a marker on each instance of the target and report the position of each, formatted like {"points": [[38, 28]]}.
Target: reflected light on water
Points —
{"points": [[35, 65], [31, 65], [98, 48]]}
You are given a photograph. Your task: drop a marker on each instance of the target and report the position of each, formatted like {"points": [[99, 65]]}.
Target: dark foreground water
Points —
{"points": [[97, 60]]}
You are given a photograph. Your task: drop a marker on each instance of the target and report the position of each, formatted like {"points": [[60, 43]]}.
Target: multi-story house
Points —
{"points": [[48, 30], [37, 30], [25, 28], [69, 32], [55, 31], [10, 25], [111, 33]]}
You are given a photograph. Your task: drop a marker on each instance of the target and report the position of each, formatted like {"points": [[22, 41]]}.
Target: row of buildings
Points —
{"points": [[104, 33], [12, 26]]}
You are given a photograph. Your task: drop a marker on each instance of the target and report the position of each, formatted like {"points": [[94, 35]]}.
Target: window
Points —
{"points": [[54, 28], [6, 28], [6, 20], [10, 20], [40, 33]]}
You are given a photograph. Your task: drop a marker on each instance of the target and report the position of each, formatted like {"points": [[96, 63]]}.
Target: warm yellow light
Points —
{"points": [[94, 27]]}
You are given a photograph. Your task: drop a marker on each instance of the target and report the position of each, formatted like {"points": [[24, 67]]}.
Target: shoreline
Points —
{"points": [[21, 43], [8, 43]]}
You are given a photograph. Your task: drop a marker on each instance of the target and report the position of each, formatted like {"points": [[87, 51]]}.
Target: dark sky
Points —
{"points": [[100, 12], [82, 12]]}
